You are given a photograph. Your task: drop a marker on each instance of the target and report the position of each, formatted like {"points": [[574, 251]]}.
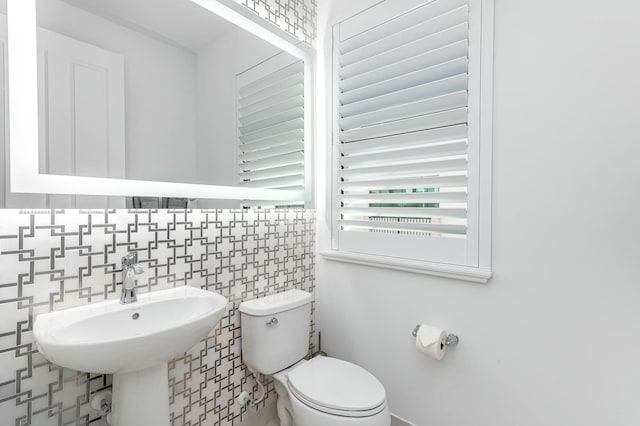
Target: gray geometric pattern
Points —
{"points": [[297, 17], [50, 260]]}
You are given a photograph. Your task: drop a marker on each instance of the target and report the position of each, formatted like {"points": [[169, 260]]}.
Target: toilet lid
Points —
{"points": [[336, 385]]}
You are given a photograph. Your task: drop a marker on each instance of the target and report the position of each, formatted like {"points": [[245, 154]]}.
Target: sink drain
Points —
{"points": [[135, 316]]}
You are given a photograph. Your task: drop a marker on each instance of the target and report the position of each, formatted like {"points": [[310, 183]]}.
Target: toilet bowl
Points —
{"points": [[326, 391], [323, 391]]}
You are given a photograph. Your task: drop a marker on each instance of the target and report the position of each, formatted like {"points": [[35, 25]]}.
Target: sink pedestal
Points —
{"points": [[141, 397]]}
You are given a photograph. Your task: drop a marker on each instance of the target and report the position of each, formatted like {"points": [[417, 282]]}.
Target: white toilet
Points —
{"points": [[323, 391]]}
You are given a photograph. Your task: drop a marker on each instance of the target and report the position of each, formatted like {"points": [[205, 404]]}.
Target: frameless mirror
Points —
{"points": [[152, 103]]}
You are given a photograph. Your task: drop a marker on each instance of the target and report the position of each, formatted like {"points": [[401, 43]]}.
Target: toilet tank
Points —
{"points": [[275, 330]]}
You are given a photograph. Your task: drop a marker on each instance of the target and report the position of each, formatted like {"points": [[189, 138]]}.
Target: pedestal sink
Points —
{"points": [[133, 342]]}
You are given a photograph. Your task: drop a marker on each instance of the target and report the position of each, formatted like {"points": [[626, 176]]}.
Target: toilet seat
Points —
{"points": [[336, 387]]}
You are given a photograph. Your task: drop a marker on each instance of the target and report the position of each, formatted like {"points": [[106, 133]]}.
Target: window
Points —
{"points": [[412, 131], [270, 106]]}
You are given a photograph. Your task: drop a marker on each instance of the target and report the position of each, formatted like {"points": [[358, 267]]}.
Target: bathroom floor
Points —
{"points": [[394, 422]]}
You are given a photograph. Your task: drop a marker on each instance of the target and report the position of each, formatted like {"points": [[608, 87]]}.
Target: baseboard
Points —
{"points": [[268, 416], [397, 421], [265, 417]]}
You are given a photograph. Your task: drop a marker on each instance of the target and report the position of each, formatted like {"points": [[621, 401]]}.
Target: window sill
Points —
{"points": [[465, 273]]}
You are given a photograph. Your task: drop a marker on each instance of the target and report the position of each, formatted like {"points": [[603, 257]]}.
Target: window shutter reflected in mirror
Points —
{"points": [[270, 111]]}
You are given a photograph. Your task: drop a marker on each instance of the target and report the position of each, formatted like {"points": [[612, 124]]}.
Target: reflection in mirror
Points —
{"points": [[162, 90]]}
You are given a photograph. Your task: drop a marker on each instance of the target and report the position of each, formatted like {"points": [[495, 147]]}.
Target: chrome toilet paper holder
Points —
{"points": [[452, 339]]}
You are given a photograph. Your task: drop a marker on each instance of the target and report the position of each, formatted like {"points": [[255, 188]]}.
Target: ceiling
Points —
{"points": [[180, 22]]}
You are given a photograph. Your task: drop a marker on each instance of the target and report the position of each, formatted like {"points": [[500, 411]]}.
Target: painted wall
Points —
{"points": [[552, 339], [51, 260]]}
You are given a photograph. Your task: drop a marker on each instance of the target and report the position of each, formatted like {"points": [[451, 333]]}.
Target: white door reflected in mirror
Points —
{"points": [[178, 103]]}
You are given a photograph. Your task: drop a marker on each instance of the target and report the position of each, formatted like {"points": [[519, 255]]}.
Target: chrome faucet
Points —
{"points": [[130, 268]]}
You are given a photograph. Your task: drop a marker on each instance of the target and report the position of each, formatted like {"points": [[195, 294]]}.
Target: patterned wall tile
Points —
{"points": [[52, 260], [297, 17]]}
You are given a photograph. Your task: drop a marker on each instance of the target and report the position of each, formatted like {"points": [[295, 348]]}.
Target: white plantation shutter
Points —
{"points": [[406, 136]]}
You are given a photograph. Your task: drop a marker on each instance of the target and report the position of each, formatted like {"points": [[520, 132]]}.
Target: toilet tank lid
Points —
{"points": [[275, 303]]}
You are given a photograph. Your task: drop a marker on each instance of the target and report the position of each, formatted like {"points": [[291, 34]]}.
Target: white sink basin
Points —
{"points": [[109, 337], [134, 342]]}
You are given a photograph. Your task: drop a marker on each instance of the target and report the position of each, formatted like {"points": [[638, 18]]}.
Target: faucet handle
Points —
{"points": [[128, 282], [130, 259]]}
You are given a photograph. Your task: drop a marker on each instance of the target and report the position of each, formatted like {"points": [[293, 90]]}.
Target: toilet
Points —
{"points": [[322, 391]]}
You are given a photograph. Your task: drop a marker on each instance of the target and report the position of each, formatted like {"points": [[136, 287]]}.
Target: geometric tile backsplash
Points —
{"points": [[297, 17], [55, 259]]}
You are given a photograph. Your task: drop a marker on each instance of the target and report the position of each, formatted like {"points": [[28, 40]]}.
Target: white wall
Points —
{"points": [[218, 64], [160, 85], [553, 338]]}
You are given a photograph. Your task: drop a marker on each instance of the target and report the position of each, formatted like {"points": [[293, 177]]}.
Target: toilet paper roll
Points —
{"points": [[431, 341]]}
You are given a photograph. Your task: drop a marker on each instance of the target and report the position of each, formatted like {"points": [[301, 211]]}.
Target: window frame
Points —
{"points": [[479, 170]]}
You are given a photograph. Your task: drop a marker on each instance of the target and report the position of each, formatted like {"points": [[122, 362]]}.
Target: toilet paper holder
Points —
{"points": [[452, 339]]}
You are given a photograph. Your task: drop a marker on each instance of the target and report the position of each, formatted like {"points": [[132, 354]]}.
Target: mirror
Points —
{"points": [[155, 103]]}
